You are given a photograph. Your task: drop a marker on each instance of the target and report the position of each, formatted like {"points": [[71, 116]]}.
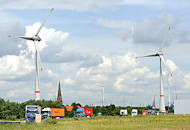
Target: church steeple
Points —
{"points": [[59, 96]]}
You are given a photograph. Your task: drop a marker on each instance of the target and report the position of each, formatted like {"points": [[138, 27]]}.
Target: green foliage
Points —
{"points": [[11, 110], [69, 113], [50, 121], [13, 118]]}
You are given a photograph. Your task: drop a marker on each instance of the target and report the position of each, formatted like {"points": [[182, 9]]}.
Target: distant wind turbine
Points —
{"points": [[36, 39], [102, 93], [160, 55]]}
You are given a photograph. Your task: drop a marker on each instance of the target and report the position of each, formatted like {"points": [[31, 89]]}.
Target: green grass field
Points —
{"points": [[168, 122]]}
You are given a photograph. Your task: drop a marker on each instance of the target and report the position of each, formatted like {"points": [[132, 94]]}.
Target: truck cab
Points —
{"points": [[31, 111], [134, 112], [46, 112]]}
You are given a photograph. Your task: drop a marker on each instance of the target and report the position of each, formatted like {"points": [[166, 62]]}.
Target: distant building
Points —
{"points": [[59, 96]]}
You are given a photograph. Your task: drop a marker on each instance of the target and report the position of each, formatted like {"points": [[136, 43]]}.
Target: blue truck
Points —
{"points": [[31, 111]]}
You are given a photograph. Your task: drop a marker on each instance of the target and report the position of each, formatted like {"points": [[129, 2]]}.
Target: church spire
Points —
{"points": [[59, 96]]}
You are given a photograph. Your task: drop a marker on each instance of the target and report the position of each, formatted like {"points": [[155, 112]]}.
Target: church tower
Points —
{"points": [[59, 96]]}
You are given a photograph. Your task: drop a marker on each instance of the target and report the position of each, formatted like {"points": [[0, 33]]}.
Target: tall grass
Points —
{"points": [[110, 122]]}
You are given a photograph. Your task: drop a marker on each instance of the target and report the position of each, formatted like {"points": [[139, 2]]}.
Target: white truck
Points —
{"points": [[123, 112], [134, 112]]}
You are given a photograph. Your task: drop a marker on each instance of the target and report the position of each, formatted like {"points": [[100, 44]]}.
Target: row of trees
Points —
{"points": [[13, 110]]}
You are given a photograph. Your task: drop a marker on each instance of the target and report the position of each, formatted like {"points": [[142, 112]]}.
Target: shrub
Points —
{"points": [[13, 118], [50, 121]]}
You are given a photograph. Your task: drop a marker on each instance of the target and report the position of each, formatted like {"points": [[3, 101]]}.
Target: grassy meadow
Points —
{"points": [[167, 122]]}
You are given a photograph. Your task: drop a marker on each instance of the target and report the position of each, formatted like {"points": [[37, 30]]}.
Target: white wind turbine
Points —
{"points": [[36, 39], [160, 55]]}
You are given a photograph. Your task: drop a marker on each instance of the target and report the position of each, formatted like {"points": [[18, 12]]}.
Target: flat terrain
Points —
{"points": [[168, 122]]}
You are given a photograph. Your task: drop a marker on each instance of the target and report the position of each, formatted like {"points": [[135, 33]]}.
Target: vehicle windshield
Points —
{"points": [[32, 112], [45, 112]]}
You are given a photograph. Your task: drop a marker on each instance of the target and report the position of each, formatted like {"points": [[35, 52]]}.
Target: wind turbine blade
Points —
{"points": [[44, 21], [147, 56], [26, 38], [162, 58], [165, 39]]}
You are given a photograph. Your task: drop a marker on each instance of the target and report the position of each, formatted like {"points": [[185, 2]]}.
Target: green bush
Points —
{"points": [[13, 118], [50, 121]]}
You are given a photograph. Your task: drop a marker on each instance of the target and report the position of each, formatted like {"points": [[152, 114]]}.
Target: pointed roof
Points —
{"points": [[59, 95], [154, 103]]}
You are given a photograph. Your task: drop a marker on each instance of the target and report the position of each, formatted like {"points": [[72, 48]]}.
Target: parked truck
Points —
{"points": [[53, 113], [134, 112], [123, 112], [33, 113], [83, 112]]}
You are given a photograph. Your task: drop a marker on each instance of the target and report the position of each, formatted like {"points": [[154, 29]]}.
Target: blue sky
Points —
{"points": [[95, 42]]}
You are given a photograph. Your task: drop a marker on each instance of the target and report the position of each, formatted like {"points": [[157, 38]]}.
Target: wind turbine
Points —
{"points": [[36, 39], [102, 93], [161, 57]]}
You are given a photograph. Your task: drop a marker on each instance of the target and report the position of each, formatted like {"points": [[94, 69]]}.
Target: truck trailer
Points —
{"points": [[83, 112], [53, 113]]}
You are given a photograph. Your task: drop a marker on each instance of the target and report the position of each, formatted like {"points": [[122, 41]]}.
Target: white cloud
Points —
{"points": [[113, 23], [13, 66], [171, 65], [99, 78], [149, 31], [187, 81], [68, 81]]}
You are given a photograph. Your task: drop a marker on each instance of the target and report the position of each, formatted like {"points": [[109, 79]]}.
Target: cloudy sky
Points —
{"points": [[93, 43]]}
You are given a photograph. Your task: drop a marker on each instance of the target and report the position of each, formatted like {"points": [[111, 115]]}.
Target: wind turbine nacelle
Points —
{"points": [[36, 38], [160, 53]]}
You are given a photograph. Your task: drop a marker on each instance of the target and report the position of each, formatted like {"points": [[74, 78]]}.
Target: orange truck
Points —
{"points": [[53, 113]]}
